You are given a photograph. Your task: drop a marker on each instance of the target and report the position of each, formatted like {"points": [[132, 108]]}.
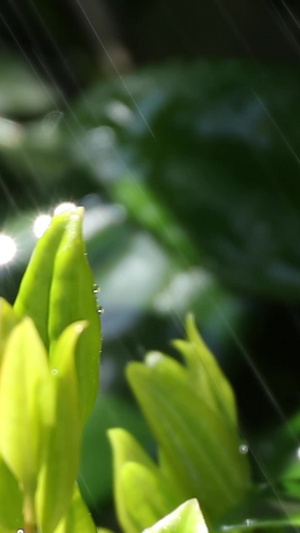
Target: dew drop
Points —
{"points": [[20, 531], [100, 310], [95, 288], [243, 449], [54, 372]]}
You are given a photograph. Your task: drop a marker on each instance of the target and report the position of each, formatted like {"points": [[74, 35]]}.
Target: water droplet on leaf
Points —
{"points": [[243, 448], [95, 288]]}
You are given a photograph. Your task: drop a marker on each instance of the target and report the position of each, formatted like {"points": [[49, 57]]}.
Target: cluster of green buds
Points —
{"points": [[191, 411], [50, 344]]}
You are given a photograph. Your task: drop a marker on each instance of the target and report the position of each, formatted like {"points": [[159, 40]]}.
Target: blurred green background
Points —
{"points": [[176, 125]]}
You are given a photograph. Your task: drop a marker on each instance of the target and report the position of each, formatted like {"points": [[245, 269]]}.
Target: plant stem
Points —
{"points": [[29, 528], [29, 514]]}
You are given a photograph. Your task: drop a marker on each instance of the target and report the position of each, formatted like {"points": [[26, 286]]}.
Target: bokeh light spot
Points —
{"points": [[65, 206], [8, 249], [40, 225]]}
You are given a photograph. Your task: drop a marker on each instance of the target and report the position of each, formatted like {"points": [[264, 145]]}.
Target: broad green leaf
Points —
{"points": [[11, 499], [145, 206], [61, 459], [21, 91], [23, 374], [8, 321], [205, 374], [153, 499], [230, 118], [57, 290], [78, 518], [199, 444], [187, 518]]}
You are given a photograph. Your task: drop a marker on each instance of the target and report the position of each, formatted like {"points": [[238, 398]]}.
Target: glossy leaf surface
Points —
{"points": [[187, 518], [125, 449], [200, 445], [205, 375], [78, 518], [138, 509], [154, 498], [61, 459], [57, 289], [24, 373]]}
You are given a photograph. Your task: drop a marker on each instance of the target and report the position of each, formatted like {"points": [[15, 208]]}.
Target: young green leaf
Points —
{"points": [[187, 518], [77, 518], [200, 446], [205, 374], [34, 294], [138, 509], [72, 299], [22, 434], [8, 321], [57, 290], [11, 499], [125, 449], [62, 450], [153, 499]]}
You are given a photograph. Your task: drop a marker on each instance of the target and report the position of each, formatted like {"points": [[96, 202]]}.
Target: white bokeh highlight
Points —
{"points": [[65, 206], [40, 225], [8, 249]]}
